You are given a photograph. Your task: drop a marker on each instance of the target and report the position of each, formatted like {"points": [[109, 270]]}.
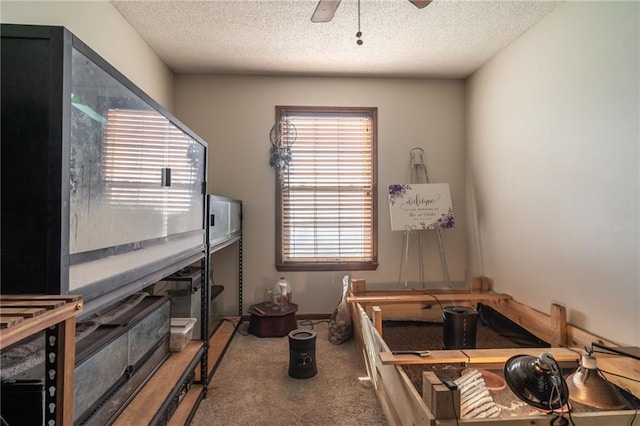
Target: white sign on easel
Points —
{"points": [[420, 206]]}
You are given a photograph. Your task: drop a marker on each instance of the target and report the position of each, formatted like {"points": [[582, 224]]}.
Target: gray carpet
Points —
{"points": [[251, 386]]}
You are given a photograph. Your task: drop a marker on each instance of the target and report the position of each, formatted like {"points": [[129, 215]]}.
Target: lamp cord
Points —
{"points": [[359, 33], [442, 308], [437, 300], [613, 350], [557, 387], [617, 375], [453, 406]]}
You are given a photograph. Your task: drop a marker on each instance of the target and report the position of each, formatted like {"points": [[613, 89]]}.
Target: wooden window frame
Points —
{"points": [[325, 264]]}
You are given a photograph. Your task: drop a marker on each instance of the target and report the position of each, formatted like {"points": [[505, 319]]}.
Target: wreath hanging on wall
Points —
{"points": [[283, 136]]}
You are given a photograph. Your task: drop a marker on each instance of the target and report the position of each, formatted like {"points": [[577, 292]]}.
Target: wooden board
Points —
{"points": [[444, 298], [27, 315], [148, 402], [442, 401], [56, 310], [183, 413], [220, 341], [536, 322], [476, 356], [21, 312], [427, 312], [9, 321], [399, 400], [47, 304], [616, 368], [36, 297], [396, 392], [609, 418]]}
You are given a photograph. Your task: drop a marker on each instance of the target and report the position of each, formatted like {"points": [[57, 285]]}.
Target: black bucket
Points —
{"points": [[459, 327], [302, 354]]}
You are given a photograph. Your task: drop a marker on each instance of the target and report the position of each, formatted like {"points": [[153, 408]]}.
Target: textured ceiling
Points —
{"points": [[447, 39]]}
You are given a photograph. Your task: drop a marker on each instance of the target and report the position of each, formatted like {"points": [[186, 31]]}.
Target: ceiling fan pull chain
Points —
{"points": [[359, 33]]}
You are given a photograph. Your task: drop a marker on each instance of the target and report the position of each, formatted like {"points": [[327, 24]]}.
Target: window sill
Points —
{"points": [[307, 266]]}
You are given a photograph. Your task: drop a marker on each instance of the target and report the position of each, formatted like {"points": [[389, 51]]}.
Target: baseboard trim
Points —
{"points": [[299, 317], [313, 316]]}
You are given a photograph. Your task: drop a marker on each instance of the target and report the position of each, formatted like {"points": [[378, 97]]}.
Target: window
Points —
{"points": [[137, 144], [326, 204]]}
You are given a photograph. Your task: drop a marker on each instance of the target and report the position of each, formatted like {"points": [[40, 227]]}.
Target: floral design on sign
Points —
{"points": [[420, 207]]}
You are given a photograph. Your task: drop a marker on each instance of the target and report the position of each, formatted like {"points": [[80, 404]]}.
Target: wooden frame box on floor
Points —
{"points": [[399, 399]]}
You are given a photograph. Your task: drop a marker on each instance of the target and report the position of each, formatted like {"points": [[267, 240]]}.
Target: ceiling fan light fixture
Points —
{"points": [[325, 10], [420, 3]]}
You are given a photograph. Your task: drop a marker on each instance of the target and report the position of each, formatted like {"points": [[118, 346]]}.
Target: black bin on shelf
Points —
{"points": [[302, 354], [459, 327]]}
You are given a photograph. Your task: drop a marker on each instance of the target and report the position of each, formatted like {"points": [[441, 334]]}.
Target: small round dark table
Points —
{"points": [[268, 322]]}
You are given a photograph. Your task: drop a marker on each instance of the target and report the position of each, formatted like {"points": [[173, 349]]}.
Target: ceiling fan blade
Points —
{"points": [[420, 3], [325, 10]]}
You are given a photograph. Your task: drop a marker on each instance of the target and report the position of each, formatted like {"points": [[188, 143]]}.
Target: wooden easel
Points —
{"points": [[419, 175]]}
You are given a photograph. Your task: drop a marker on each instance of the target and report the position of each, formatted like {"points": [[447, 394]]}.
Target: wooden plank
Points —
{"points": [[435, 357], [608, 418], [21, 312], [355, 318], [534, 321], [30, 326], [150, 399], [480, 283], [398, 398], [558, 320], [476, 356], [65, 368], [476, 283], [358, 286], [47, 304], [219, 342], [10, 321], [502, 355], [61, 312], [443, 298], [621, 366], [420, 311], [419, 292], [183, 413], [580, 338], [443, 402], [64, 297], [486, 284], [537, 323], [396, 395], [377, 318], [403, 397]]}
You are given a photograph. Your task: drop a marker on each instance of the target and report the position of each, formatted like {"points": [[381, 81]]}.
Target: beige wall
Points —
{"points": [[235, 114], [552, 128], [553, 152], [101, 27]]}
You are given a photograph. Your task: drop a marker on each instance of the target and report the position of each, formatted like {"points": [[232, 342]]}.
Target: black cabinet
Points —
{"points": [[102, 192], [102, 189]]}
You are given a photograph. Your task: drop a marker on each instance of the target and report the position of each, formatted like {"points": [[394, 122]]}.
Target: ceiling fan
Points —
{"points": [[327, 8]]}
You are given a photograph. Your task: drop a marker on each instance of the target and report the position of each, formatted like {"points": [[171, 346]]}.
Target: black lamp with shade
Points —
{"points": [[537, 381]]}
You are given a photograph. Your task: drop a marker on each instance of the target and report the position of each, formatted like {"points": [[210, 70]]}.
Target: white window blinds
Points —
{"points": [[137, 145], [327, 196]]}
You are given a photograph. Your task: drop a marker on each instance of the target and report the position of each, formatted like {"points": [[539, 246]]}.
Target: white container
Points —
{"points": [[181, 333]]}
